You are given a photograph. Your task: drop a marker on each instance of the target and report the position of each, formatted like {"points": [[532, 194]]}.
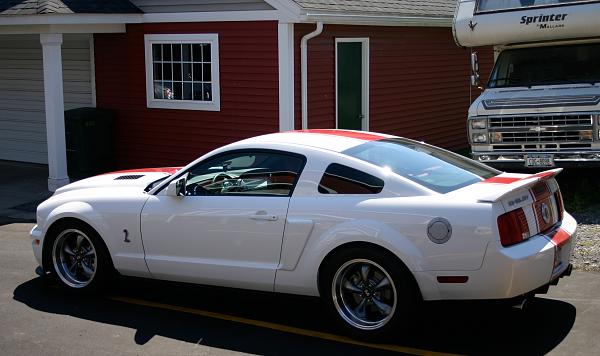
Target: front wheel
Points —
{"points": [[369, 292], [77, 258]]}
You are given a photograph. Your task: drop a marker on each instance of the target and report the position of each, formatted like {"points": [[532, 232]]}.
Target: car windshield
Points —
{"points": [[547, 66], [431, 167]]}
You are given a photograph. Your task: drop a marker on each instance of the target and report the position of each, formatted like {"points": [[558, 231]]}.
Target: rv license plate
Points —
{"points": [[539, 161]]}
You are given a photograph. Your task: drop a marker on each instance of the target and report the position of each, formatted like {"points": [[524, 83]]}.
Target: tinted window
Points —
{"points": [[431, 167], [494, 5], [339, 179], [246, 173], [547, 66]]}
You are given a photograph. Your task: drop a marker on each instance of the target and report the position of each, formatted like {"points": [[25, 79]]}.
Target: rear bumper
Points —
{"points": [[509, 272]]}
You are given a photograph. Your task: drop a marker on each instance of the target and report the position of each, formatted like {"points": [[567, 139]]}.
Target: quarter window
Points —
{"points": [[340, 179], [246, 173], [182, 71]]}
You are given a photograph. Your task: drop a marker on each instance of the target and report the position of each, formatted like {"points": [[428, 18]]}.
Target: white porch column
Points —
{"points": [[285, 44], [55, 110]]}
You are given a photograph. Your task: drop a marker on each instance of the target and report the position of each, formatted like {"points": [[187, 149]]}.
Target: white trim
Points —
{"points": [[213, 39], [214, 16], [54, 110], [365, 79], [37, 29], [92, 70], [70, 19], [289, 10], [304, 71], [377, 20], [285, 44]]}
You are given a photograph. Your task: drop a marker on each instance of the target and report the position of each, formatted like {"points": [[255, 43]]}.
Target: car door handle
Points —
{"points": [[262, 215]]}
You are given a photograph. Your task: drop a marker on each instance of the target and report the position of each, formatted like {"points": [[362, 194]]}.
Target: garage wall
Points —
{"points": [[22, 118], [419, 81], [150, 137]]}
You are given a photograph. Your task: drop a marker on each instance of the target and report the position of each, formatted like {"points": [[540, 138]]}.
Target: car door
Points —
{"points": [[227, 227]]}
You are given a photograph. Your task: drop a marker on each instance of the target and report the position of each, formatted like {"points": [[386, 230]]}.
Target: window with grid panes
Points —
{"points": [[183, 71]]}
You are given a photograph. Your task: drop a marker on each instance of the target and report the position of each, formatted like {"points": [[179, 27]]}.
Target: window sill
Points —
{"points": [[183, 105]]}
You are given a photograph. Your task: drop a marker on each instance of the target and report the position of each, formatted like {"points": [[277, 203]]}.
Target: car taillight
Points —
{"points": [[559, 204], [513, 227]]}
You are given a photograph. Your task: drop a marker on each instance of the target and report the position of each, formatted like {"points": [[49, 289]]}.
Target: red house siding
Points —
{"points": [[151, 137], [419, 81]]}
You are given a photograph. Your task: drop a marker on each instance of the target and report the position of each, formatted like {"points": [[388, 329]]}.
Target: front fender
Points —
{"points": [[117, 224]]}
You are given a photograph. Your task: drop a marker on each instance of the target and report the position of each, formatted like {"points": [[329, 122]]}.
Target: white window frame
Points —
{"points": [[366, 67], [213, 39]]}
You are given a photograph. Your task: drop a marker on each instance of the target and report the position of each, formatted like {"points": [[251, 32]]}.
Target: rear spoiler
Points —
{"points": [[513, 184]]}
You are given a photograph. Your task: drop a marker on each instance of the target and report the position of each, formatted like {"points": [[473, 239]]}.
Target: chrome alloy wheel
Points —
{"points": [[74, 258], [364, 294]]}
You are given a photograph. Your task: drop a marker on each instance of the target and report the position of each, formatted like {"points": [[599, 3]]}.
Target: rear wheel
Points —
{"points": [[77, 258], [369, 291]]}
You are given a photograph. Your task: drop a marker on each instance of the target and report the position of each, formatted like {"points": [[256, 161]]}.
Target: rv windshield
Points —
{"points": [[547, 66], [496, 5]]}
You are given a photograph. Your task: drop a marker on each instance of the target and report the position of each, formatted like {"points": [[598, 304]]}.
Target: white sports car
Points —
{"points": [[372, 223]]}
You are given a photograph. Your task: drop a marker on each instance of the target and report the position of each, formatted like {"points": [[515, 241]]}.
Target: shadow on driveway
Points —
{"points": [[456, 327]]}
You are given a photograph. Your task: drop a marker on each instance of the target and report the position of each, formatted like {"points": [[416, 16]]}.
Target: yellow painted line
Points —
{"points": [[279, 327]]}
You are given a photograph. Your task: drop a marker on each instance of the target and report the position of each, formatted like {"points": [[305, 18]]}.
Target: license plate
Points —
{"points": [[539, 161]]}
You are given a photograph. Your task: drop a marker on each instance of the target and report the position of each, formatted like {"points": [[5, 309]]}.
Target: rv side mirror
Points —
{"points": [[177, 187], [474, 70]]}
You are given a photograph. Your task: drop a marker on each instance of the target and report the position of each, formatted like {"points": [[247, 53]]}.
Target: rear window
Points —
{"points": [[340, 179], [431, 167]]}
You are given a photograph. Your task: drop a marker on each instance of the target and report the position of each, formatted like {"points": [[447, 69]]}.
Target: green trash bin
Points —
{"points": [[89, 139]]}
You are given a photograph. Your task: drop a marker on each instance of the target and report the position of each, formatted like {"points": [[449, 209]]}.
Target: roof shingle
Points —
{"points": [[429, 8], [38, 7]]}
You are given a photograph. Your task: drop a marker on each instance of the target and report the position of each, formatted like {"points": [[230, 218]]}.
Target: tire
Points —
{"points": [[370, 292], [77, 258]]}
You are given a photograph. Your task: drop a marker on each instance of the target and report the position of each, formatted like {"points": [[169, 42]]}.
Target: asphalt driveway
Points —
{"points": [[150, 317]]}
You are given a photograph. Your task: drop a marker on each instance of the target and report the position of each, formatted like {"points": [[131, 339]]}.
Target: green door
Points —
{"points": [[349, 85]]}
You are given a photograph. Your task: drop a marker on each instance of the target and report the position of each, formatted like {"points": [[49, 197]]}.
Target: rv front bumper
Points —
{"points": [[516, 159]]}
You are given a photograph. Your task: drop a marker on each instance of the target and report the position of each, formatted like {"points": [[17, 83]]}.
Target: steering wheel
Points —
{"points": [[221, 177]]}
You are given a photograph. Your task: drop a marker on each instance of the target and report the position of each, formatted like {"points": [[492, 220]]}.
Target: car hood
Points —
{"points": [[563, 98], [137, 179]]}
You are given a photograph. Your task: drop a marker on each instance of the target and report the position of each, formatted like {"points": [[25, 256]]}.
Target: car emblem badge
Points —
{"points": [[545, 210], [537, 129]]}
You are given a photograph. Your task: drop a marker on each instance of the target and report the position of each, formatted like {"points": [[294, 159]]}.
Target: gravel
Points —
{"points": [[586, 255]]}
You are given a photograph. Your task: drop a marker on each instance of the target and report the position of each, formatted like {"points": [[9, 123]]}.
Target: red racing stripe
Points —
{"points": [[561, 237], [344, 133], [169, 170], [501, 180]]}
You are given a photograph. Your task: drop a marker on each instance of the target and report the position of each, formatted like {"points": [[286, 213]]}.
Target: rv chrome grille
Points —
{"points": [[535, 121]]}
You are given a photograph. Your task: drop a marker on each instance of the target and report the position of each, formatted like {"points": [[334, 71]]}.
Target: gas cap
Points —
{"points": [[439, 230]]}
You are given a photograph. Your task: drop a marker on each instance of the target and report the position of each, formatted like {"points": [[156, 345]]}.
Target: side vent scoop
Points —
{"points": [[130, 176]]}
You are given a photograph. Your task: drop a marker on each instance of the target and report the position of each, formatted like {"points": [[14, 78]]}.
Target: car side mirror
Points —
{"points": [[177, 187]]}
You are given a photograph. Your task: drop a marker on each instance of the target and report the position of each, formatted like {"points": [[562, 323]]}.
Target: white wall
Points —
{"points": [[22, 120]]}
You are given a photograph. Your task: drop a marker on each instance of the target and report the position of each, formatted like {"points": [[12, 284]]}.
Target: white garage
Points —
{"points": [[22, 113]]}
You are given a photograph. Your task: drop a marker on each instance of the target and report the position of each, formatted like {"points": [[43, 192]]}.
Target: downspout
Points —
{"points": [[304, 71]]}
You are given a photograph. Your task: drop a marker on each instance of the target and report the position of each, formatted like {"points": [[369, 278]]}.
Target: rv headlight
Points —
{"points": [[495, 137], [478, 124], [479, 138]]}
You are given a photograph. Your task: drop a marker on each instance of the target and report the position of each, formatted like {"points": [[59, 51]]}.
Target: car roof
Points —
{"points": [[329, 139]]}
